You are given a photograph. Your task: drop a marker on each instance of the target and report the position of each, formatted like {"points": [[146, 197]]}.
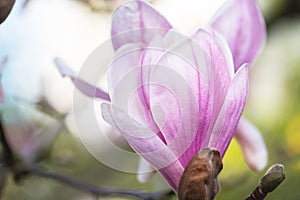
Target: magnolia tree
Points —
{"points": [[176, 99]]}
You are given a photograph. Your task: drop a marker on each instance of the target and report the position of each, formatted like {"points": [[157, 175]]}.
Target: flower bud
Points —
{"points": [[5, 8]]}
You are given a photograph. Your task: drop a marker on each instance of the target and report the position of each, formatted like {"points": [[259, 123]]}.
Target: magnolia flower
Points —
{"points": [[170, 95], [30, 132]]}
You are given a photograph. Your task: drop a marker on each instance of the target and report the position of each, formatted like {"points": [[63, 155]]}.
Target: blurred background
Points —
{"points": [[37, 98]]}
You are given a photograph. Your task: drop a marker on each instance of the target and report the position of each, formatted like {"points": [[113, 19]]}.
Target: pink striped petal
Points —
{"points": [[124, 85], [83, 86], [146, 143], [151, 55], [137, 22], [219, 52], [172, 173], [252, 144], [223, 129], [203, 72], [242, 24], [126, 60], [178, 93], [221, 67]]}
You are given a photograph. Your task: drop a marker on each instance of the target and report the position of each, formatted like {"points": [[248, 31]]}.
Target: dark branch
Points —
{"points": [[8, 161], [6, 150], [97, 191]]}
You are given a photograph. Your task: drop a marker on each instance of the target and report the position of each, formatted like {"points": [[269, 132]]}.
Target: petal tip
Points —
{"points": [[63, 69], [259, 163]]}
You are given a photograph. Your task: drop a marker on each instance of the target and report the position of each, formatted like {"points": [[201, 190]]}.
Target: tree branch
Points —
{"points": [[97, 191], [20, 171], [6, 150]]}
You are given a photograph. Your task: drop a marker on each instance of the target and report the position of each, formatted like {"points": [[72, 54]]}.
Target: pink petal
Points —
{"points": [[178, 93], [203, 73], [242, 24], [219, 52], [151, 54], [126, 61], [172, 173], [83, 86], [137, 22], [29, 131], [223, 129], [146, 143], [221, 71], [124, 84], [252, 144]]}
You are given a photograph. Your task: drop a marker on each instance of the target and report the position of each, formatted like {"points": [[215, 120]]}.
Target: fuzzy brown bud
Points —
{"points": [[5, 8], [199, 179]]}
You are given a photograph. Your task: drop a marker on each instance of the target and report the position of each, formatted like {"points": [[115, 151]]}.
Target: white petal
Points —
{"points": [[145, 171], [252, 144]]}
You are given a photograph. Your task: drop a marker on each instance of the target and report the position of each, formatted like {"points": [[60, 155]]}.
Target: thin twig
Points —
{"points": [[3, 175], [21, 172], [6, 150], [9, 160], [96, 191]]}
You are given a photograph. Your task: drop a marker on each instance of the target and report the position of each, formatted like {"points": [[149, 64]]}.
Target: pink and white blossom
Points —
{"points": [[172, 95]]}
